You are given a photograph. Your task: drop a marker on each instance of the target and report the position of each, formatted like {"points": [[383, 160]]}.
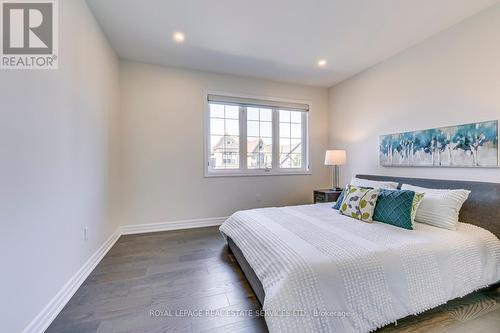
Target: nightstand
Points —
{"points": [[326, 195]]}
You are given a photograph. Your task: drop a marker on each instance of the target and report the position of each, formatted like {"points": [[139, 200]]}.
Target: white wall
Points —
{"points": [[55, 134], [450, 79], [162, 174]]}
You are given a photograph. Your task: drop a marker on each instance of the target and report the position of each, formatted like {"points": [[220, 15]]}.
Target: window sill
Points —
{"points": [[216, 174]]}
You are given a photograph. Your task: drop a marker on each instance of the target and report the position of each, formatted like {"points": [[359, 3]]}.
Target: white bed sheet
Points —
{"points": [[325, 272]]}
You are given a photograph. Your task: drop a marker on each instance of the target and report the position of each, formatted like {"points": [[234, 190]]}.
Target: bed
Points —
{"points": [[314, 270]]}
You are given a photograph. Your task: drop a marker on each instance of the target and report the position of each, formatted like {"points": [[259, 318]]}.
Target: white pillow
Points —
{"points": [[373, 183], [439, 208]]}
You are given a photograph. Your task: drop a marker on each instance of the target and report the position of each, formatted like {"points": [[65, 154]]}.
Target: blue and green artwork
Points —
{"points": [[470, 145]]}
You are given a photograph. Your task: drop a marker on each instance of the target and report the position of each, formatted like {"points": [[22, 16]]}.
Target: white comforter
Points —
{"points": [[324, 272]]}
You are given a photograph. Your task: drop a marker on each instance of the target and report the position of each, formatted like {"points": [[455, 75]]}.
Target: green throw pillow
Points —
{"points": [[416, 203], [359, 203], [338, 203]]}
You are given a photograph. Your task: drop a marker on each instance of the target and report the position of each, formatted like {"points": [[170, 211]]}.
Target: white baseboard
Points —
{"points": [[171, 225], [43, 320]]}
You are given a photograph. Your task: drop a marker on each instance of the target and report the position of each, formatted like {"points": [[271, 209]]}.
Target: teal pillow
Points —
{"points": [[394, 207], [339, 201]]}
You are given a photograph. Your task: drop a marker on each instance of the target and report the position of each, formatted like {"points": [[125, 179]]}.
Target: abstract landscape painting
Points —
{"points": [[470, 145]]}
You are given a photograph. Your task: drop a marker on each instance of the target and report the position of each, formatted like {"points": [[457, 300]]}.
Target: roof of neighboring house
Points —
{"points": [[233, 144], [253, 146]]}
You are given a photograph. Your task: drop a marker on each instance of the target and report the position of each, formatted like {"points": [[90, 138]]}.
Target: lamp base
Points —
{"points": [[336, 189]]}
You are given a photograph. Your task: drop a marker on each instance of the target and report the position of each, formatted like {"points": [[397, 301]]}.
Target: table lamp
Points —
{"points": [[335, 158]]}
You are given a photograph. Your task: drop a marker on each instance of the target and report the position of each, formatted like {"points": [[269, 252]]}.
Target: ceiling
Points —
{"points": [[280, 40]]}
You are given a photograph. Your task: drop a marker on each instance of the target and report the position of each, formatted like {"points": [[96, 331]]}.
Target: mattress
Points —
{"points": [[324, 272]]}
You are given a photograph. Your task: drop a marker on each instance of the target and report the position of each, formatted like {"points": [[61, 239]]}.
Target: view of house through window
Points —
{"points": [[224, 136], [259, 138], [245, 138]]}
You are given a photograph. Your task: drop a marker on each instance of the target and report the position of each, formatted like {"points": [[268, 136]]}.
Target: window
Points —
{"points": [[259, 138], [290, 139], [224, 136], [248, 136]]}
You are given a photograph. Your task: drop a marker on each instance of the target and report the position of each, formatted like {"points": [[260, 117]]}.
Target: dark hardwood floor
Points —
{"points": [[143, 277], [175, 270]]}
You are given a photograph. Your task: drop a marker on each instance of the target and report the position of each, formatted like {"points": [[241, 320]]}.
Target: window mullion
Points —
{"points": [[305, 143], [276, 140], [243, 138]]}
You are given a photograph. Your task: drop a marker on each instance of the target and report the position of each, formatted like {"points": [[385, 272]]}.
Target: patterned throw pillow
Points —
{"points": [[338, 203], [395, 207], [417, 200], [359, 203]]}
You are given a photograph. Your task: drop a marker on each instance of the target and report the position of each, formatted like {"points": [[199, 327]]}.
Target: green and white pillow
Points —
{"points": [[359, 203], [417, 200]]}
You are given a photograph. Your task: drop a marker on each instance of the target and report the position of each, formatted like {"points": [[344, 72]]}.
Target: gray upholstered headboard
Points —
{"points": [[482, 208]]}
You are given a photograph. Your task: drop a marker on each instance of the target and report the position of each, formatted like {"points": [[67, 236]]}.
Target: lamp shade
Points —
{"points": [[335, 157]]}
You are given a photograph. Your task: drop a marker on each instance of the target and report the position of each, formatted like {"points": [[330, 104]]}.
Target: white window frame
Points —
{"points": [[243, 171]]}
